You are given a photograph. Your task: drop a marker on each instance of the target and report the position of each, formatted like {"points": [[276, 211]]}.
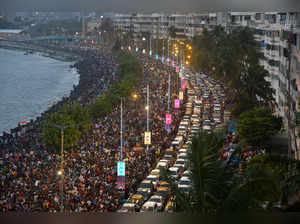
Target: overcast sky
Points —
{"points": [[150, 5]]}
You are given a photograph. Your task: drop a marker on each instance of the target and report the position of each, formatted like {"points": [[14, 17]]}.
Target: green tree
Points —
{"points": [[257, 125], [69, 114], [51, 135], [130, 73], [234, 57], [217, 187], [285, 170]]}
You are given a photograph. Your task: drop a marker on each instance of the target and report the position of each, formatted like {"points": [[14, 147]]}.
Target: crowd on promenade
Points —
{"points": [[232, 143], [29, 180]]}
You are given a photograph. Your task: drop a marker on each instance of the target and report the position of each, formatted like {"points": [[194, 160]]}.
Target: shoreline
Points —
{"points": [[59, 55], [51, 106]]}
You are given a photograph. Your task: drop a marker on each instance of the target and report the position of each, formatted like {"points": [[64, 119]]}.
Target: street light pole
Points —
{"points": [[62, 169], [169, 90], [121, 131], [168, 52], [61, 172], [150, 44], [148, 114], [163, 48]]}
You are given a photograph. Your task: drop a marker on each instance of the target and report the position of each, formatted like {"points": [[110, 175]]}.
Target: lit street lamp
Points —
{"points": [[61, 171]]}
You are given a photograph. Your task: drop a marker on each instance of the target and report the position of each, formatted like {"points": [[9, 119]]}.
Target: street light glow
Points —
{"points": [[147, 107], [59, 173]]}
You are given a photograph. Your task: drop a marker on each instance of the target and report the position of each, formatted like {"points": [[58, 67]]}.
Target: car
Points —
{"points": [[175, 172], [175, 143], [168, 161], [181, 163], [197, 123], [206, 127], [127, 207], [184, 181], [186, 173], [144, 192], [170, 207], [186, 117], [155, 172], [153, 178], [184, 150], [170, 152], [162, 165], [195, 116], [136, 199], [182, 129], [148, 185], [163, 191], [182, 133], [179, 138], [158, 200], [194, 133], [182, 156], [196, 127], [184, 123], [149, 206], [212, 123], [163, 184], [185, 146], [169, 158], [188, 112], [189, 105]]}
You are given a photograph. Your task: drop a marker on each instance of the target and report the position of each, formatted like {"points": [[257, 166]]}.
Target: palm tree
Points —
{"points": [[217, 185], [287, 173]]}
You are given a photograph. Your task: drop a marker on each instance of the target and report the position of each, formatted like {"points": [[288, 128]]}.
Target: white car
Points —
{"points": [[168, 157], [154, 179], [179, 138], [186, 173], [174, 171], [155, 172], [145, 192], [184, 123], [183, 151], [148, 185], [182, 156], [175, 143], [149, 206], [161, 165], [127, 207], [182, 128], [184, 182], [158, 200], [181, 163]]}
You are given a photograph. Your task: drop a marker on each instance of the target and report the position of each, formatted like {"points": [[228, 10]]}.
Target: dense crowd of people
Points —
{"points": [[232, 142], [29, 170]]}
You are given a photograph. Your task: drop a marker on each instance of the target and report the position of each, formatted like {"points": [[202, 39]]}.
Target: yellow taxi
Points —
{"points": [[136, 199], [170, 207]]}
